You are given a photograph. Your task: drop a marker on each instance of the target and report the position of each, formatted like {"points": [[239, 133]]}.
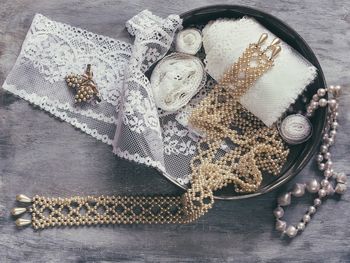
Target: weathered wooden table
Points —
{"points": [[41, 155]]}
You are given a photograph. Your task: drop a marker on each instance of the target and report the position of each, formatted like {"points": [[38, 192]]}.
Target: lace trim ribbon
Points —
{"points": [[127, 117]]}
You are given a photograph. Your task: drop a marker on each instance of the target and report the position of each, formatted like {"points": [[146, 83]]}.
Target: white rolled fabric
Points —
{"points": [[224, 41], [188, 41], [176, 79]]}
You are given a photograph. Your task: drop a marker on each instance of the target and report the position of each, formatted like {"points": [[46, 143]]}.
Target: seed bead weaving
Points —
{"points": [[236, 148]]}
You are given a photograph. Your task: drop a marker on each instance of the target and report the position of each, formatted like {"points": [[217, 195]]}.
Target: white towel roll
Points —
{"points": [[176, 79], [189, 41]]}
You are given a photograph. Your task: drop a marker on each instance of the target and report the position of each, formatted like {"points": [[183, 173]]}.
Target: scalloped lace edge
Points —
{"points": [[47, 104]]}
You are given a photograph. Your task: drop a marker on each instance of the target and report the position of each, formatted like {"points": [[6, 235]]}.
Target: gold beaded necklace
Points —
{"points": [[236, 148]]}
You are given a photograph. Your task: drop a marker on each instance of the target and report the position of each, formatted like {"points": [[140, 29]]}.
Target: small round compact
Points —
{"points": [[295, 129]]}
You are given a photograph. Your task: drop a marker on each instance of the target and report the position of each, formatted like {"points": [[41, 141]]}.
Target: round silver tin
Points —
{"points": [[295, 129]]}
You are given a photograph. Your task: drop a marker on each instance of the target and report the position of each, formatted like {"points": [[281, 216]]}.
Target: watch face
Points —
{"points": [[295, 129]]}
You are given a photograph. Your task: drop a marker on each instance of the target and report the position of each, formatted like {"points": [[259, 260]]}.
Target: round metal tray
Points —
{"points": [[299, 154]]}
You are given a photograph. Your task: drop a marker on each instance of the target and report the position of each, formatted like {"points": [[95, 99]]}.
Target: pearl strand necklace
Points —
{"points": [[325, 187]]}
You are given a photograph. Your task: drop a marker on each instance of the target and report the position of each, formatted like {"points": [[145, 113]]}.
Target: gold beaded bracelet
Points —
{"points": [[254, 148]]}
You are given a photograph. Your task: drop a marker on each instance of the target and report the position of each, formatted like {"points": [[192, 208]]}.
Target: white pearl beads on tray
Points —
{"points": [[326, 187]]}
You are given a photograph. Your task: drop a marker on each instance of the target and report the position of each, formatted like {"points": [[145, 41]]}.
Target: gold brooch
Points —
{"points": [[84, 86]]}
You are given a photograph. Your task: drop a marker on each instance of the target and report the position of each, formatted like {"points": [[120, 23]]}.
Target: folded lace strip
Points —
{"points": [[52, 50], [127, 117]]}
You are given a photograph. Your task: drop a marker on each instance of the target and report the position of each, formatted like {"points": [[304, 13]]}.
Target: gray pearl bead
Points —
{"points": [[314, 104], [327, 155], [300, 226], [322, 102], [306, 218], [315, 97], [329, 164], [280, 225], [321, 166], [312, 210], [340, 188], [278, 212], [336, 91], [298, 190], [284, 199], [319, 158], [329, 189], [333, 133], [326, 140], [291, 231], [322, 193], [324, 148], [313, 186], [341, 178], [327, 173], [335, 125], [332, 103], [330, 141], [317, 202], [321, 92], [324, 182]]}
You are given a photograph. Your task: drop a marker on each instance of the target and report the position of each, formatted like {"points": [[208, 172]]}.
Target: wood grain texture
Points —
{"points": [[41, 155]]}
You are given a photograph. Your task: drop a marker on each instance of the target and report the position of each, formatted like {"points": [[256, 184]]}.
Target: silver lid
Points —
{"points": [[295, 129]]}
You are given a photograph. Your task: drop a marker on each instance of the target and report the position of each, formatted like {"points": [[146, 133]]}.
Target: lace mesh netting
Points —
{"points": [[52, 50], [127, 117]]}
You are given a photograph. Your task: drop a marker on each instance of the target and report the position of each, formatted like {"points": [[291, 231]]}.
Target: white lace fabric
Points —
{"points": [[52, 50], [127, 117], [176, 79], [224, 40]]}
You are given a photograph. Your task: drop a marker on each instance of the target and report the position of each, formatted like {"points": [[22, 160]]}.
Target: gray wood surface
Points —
{"points": [[41, 155]]}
